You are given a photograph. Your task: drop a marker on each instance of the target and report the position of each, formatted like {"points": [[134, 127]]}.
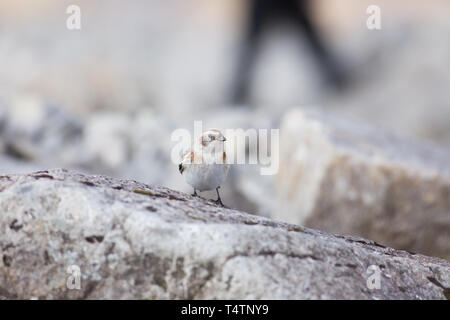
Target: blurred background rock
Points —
{"points": [[105, 99]]}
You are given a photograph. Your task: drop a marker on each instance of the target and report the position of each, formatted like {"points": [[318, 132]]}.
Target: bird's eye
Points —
{"points": [[212, 138]]}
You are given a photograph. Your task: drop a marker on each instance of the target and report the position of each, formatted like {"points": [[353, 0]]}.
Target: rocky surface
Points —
{"points": [[132, 240], [343, 177], [85, 101], [35, 136], [336, 174]]}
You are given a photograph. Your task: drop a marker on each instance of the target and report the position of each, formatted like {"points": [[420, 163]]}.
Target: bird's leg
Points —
{"points": [[195, 193], [219, 201]]}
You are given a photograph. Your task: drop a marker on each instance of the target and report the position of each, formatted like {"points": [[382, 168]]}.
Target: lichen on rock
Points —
{"points": [[169, 245]]}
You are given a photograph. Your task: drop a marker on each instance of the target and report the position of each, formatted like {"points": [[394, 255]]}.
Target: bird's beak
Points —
{"points": [[223, 139]]}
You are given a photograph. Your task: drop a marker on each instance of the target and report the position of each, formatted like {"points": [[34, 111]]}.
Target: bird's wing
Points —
{"points": [[181, 168], [188, 158]]}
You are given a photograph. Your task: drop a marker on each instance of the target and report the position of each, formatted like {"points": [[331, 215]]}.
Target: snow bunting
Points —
{"points": [[205, 167]]}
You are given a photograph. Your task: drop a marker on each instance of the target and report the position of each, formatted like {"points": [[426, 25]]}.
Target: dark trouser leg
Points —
{"points": [[259, 14], [334, 72]]}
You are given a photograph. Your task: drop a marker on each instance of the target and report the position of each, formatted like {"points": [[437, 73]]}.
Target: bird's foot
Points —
{"points": [[219, 202], [195, 194]]}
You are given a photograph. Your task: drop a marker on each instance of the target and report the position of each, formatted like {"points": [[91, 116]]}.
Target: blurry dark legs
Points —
{"points": [[195, 193], [243, 75], [331, 68], [258, 15]]}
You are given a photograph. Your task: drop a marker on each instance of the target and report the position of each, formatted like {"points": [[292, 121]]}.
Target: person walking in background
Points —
{"points": [[263, 14]]}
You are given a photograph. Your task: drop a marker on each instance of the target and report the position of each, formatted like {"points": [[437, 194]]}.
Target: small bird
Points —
{"points": [[205, 167]]}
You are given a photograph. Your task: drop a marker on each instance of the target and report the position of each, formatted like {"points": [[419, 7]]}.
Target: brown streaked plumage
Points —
{"points": [[204, 168]]}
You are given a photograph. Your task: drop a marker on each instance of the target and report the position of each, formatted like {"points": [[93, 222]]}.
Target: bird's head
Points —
{"points": [[212, 139]]}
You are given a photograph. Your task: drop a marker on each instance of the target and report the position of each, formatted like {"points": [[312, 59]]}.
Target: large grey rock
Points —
{"points": [[165, 244], [343, 177]]}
